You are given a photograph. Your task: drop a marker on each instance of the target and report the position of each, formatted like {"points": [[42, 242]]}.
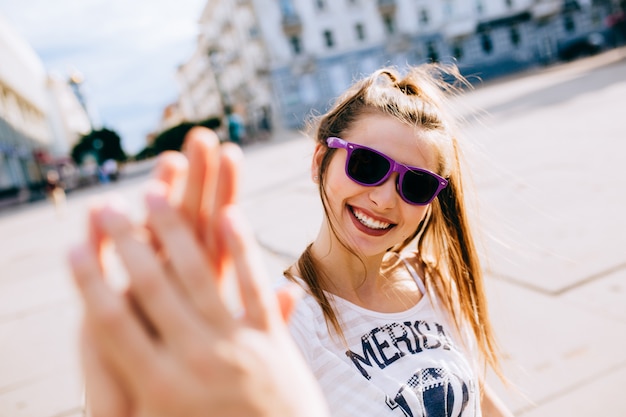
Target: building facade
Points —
{"points": [[298, 55], [318, 47], [40, 118], [228, 72], [24, 129]]}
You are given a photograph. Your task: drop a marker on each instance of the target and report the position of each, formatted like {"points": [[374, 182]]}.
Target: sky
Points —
{"points": [[126, 50]]}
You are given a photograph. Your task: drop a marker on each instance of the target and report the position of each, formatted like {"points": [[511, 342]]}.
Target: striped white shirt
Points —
{"points": [[410, 363]]}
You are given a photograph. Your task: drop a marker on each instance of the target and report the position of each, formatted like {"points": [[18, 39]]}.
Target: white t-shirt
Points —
{"points": [[410, 363]]}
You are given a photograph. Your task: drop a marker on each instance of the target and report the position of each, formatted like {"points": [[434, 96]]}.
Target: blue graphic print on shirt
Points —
{"points": [[428, 391]]}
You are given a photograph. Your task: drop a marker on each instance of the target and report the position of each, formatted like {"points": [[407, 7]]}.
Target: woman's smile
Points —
{"points": [[368, 223]]}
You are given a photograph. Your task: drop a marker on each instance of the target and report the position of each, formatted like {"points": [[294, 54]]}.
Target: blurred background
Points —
{"points": [[92, 91]]}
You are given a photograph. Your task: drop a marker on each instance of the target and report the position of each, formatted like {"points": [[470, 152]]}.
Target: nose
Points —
{"points": [[384, 195]]}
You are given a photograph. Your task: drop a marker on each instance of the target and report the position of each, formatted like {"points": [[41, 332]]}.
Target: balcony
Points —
{"points": [[458, 28], [387, 7], [546, 9], [292, 24]]}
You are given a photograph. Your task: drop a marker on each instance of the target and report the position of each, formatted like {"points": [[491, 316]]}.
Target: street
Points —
{"points": [[545, 152]]}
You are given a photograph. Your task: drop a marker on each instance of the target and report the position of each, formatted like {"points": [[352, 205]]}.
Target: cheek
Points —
{"points": [[338, 185], [415, 214]]}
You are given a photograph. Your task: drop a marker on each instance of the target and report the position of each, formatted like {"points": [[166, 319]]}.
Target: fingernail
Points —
{"points": [[156, 196]]}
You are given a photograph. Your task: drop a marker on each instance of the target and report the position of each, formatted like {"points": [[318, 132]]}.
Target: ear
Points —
{"points": [[316, 163]]}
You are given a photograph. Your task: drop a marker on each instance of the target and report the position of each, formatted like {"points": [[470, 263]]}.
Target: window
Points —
{"points": [[286, 7], [253, 32], [431, 51], [296, 45], [596, 18], [390, 25], [515, 36], [508, 3], [457, 50], [321, 4], [486, 43], [360, 31], [328, 37], [480, 8], [424, 18], [568, 23]]}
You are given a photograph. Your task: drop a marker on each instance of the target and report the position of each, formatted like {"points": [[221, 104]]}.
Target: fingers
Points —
{"points": [[187, 258], [257, 298], [231, 159], [104, 395], [118, 334], [171, 169], [149, 285], [202, 151], [226, 194]]}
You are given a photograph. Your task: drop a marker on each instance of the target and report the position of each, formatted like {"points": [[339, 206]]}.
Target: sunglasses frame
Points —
{"points": [[394, 166]]}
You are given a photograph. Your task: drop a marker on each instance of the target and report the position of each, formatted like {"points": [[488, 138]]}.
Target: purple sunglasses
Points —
{"points": [[370, 168]]}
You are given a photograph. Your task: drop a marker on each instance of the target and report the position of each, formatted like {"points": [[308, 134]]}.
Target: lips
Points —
{"points": [[368, 223]]}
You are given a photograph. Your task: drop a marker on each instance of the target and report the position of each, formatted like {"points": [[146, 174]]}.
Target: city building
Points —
{"points": [[309, 51], [228, 72], [318, 47], [24, 129], [40, 119]]}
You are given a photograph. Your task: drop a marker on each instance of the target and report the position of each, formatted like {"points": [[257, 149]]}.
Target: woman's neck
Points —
{"points": [[355, 277]]}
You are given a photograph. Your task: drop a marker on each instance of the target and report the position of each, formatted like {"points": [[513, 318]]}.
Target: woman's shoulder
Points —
{"points": [[413, 259]]}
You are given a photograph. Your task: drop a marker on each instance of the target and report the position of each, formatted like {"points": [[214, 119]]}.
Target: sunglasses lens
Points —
{"points": [[419, 187], [367, 167]]}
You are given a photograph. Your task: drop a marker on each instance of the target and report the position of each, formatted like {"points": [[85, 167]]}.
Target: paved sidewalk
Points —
{"points": [[547, 154], [547, 164]]}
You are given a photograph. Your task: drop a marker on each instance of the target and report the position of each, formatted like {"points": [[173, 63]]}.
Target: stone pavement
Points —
{"points": [[546, 157], [546, 153]]}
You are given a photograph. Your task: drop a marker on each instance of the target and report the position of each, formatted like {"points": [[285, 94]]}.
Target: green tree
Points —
{"points": [[172, 138], [103, 144]]}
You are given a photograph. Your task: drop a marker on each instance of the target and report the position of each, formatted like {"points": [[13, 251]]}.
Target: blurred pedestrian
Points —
{"points": [[55, 191], [236, 126], [265, 123]]}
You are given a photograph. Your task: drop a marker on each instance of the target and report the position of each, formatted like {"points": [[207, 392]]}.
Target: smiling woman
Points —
{"points": [[393, 320]]}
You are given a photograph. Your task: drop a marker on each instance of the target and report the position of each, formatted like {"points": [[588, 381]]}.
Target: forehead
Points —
{"points": [[402, 142]]}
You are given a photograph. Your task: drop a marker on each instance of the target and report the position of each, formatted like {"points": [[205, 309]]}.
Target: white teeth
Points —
{"points": [[369, 222]]}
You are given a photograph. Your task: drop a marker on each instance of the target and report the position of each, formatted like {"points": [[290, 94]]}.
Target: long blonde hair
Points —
{"points": [[445, 248]]}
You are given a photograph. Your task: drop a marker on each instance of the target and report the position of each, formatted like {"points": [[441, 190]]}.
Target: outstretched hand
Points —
{"points": [[170, 345]]}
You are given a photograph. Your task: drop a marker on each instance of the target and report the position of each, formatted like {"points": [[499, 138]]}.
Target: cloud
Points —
{"points": [[127, 51]]}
